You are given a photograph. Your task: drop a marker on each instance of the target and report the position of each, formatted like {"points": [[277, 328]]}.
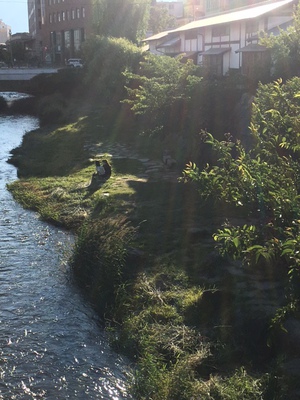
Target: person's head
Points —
{"points": [[97, 163], [104, 162]]}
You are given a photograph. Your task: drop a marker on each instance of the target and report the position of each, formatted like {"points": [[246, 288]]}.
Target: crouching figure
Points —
{"points": [[103, 172]]}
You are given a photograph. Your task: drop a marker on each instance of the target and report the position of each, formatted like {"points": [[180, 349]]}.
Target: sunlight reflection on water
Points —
{"points": [[52, 345]]}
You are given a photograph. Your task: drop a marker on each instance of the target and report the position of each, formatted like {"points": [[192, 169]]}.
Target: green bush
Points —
{"points": [[66, 82], [52, 109], [108, 58], [264, 184], [3, 104]]}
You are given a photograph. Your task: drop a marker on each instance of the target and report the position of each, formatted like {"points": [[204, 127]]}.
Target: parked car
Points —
{"points": [[75, 63]]}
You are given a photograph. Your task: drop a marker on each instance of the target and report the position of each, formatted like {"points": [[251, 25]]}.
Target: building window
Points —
{"points": [[54, 18], [252, 27], [50, 18], [83, 12], [67, 37], [50, 2], [77, 13], [58, 16], [63, 16], [212, 5], [73, 14], [77, 39], [68, 15], [58, 41], [220, 30], [214, 63]]}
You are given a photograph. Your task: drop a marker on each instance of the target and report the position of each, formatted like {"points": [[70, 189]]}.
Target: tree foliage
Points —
{"points": [[264, 182], [173, 102], [285, 48], [160, 20], [160, 93], [108, 59], [121, 18], [160, 83]]}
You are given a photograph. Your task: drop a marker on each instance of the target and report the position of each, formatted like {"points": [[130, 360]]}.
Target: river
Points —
{"points": [[52, 345]]}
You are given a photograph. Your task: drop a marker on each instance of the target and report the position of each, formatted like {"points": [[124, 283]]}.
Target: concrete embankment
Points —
{"points": [[18, 79]]}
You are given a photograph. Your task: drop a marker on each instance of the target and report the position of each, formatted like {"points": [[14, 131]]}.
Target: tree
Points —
{"points": [[161, 90], [264, 183], [108, 59], [121, 18], [4, 54], [160, 20], [285, 49]]}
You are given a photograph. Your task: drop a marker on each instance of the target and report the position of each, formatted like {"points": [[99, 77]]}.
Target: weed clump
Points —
{"points": [[99, 259]]}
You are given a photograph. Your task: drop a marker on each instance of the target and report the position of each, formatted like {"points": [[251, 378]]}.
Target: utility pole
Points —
{"points": [[10, 48]]}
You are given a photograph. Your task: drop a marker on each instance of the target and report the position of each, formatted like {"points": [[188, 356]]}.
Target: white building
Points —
{"points": [[227, 40], [4, 32]]}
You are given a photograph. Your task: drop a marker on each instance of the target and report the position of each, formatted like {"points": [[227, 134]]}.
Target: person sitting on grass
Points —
{"points": [[107, 169], [102, 171]]}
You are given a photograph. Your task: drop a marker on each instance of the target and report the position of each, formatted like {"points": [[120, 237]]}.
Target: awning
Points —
{"points": [[157, 36], [252, 48], [215, 51], [169, 43]]}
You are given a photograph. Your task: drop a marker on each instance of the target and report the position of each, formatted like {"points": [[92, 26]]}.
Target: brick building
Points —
{"points": [[59, 28]]}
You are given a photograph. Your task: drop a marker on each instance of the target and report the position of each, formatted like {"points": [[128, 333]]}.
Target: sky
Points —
{"points": [[14, 13]]}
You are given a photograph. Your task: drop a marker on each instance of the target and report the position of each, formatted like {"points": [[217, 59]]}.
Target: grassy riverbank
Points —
{"points": [[145, 258]]}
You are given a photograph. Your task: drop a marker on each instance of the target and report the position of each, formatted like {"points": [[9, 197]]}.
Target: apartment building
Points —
{"points": [[59, 28]]}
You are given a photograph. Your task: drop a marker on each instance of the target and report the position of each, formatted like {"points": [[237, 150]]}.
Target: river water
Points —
{"points": [[52, 346]]}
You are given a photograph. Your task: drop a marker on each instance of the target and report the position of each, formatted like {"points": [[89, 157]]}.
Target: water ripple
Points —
{"points": [[51, 343]]}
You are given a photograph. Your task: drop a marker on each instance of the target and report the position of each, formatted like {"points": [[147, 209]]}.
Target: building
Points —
{"points": [[227, 40], [59, 28], [218, 6], [68, 23], [4, 32], [175, 8], [36, 21]]}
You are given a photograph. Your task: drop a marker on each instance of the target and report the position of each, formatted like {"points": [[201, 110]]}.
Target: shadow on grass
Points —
{"points": [[169, 211]]}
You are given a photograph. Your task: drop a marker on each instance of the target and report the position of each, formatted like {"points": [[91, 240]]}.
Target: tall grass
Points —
{"points": [[99, 259]]}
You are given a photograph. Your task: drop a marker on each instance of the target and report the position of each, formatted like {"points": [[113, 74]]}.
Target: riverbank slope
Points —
{"points": [[195, 323]]}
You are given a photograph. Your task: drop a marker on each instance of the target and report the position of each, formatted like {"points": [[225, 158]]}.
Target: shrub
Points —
{"points": [[27, 105], [51, 109], [108, 59], [3, 104], [66, 82]]}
